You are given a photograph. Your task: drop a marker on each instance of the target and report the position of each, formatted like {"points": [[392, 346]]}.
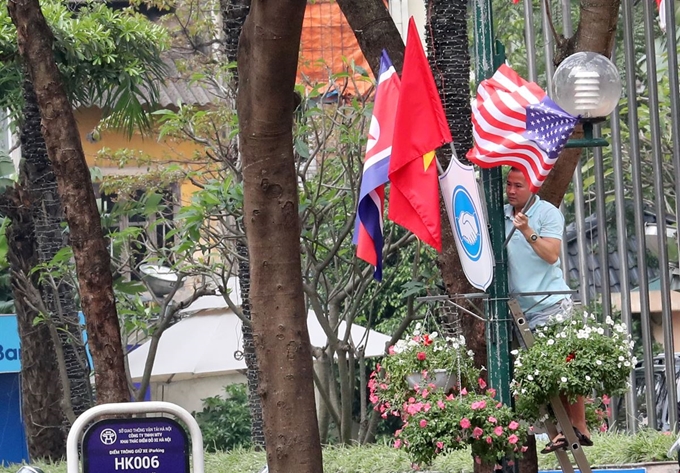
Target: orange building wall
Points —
{"points": [[159, 151]]}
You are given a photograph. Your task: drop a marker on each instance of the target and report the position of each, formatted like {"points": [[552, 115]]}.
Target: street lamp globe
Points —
{"points": [[587, 84]]}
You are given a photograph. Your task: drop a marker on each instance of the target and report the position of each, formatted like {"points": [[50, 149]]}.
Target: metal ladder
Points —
{"points": [[556, 403]]}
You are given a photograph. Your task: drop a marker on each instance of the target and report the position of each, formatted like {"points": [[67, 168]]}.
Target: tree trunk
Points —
{"points": [[596, 32], [41, 388], [375, 30], [75, 191], [47, 218], [267, 62], [254, 402], [234, 13]]}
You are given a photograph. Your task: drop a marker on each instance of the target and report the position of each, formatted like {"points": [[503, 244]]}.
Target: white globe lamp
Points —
{"points": [[587, 84]]}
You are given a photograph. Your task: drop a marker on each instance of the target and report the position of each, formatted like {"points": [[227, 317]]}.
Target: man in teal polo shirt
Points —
{"points": [[534, 266], [534, 252]]}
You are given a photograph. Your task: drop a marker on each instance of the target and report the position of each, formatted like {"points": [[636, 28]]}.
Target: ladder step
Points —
{"points": [[556, 403]]}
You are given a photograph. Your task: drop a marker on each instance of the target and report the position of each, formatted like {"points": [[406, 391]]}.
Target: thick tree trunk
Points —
{"points": [[41, 388], [47, 218], [267, 62], [596, 32], [75, 191], [375, 30]]}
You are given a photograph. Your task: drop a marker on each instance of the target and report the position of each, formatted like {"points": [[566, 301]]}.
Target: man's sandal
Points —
{"points": [[554, 445], [582, 439]]}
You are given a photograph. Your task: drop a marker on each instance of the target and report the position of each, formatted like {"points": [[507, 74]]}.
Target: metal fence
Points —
{"points": [[624, 196]]}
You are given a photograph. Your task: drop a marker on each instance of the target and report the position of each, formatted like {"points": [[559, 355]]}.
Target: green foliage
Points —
{"points": [[225, 421], [107, 57], [574, 357], [612, 448]]}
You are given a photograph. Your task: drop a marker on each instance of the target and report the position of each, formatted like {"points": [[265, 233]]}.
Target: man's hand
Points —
{"points": [[521, 223]]}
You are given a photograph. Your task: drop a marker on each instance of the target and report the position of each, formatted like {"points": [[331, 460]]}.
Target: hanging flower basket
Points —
{"points": [[440, 378], [431, 383]]}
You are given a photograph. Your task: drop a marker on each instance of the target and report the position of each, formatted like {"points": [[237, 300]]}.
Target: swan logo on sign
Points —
{"points": [[467, 223]]}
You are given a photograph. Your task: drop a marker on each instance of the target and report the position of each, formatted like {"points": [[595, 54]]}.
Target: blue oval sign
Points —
{"points": [[467, 223]]}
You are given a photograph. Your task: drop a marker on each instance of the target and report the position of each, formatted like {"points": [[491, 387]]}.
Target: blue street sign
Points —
{"points": [[150, 445], [10, 359]]}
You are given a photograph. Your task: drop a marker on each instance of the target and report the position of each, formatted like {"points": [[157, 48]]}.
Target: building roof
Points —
{"points": [[616, 261]]}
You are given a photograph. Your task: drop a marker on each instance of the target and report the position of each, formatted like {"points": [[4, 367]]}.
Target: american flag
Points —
{"points": [[515, 123]]}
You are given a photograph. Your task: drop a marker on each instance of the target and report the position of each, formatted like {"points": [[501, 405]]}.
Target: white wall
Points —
{"points": [[402, 10], [189, 393]]}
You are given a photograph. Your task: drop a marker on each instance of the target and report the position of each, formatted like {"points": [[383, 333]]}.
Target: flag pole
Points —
{"points": [[440, 169], [526, 207]]}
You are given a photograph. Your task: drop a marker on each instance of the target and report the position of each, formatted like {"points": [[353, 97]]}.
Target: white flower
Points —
{"points": [[412, 343], [551, 342], [559, 318], [563, 379], [418, 326], [536, 373], [626, 364], [514, 352], [598, 362], [621, 358], [530, 378], [600, 331], [609, 320], [541, 335], [587, 378], [470, 353], [524, 391], [518, 363], [634, 361], [461, 340], [433, 335]]}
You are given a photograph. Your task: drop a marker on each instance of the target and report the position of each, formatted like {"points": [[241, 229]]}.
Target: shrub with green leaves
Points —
{"points": [[225, 421], [574, 357]]}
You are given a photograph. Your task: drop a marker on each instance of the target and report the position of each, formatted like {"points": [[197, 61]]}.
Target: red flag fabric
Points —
{"points": [[420, 128]]}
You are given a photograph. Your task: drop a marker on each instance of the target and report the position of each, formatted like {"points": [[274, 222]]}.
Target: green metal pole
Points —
{"points": [[498, 328]]}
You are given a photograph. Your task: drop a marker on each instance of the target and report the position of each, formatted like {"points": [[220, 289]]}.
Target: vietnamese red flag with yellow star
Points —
{"points": [[420, 128]]}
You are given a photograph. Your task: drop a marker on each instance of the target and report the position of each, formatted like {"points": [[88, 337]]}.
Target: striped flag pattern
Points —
{"points": [[368, 230], [661, 5], [516, 124]]}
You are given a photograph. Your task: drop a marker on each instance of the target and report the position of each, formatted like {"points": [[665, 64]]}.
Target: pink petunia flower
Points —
{"points": [[423, 423], [513, 439], [524, 449], [465, 423], [489, 440], [421, 356], [498, 430], [513, 425], [492, 419], [440, 445], [491, 392], [425, 393], [477, 432], [397, 443], [427, 406], [499, 405], [482, 383], [478, 460], [463, 392], [441, 404], [390, 350]]}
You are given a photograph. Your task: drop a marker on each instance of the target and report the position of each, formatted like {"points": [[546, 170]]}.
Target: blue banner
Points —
{"points": [[9, 345]]}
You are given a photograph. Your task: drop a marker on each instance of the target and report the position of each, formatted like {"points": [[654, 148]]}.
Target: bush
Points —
{"points": [[225, 421]]}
